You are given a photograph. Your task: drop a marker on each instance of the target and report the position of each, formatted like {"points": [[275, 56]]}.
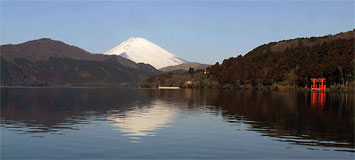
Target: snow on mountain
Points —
{"points": [[141, 50]]}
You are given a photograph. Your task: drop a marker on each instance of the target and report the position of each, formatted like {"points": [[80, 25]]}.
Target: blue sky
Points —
{"points": [[202, 31]]}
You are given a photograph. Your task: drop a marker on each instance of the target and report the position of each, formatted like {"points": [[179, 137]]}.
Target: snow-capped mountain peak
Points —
{"points": [[140, 50]]}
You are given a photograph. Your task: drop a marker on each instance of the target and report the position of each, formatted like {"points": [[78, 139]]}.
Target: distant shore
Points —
{"points": [[199, 80]]}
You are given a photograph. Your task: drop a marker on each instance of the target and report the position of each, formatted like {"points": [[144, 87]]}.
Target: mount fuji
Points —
{"points": [[141, 50]]}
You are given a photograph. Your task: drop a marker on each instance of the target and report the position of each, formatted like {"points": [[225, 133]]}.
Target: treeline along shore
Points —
{"points": [[283, 65]]}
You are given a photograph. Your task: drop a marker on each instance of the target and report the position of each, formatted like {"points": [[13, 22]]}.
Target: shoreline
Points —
{"points": [[153, 88]]}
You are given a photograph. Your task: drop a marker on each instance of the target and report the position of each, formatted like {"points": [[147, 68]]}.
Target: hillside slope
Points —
{"points": [[44, 48], [47, 62], [292, 61]]}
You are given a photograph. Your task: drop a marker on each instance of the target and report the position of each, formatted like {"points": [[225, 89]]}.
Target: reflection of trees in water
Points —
{"points": [[290, 115]]}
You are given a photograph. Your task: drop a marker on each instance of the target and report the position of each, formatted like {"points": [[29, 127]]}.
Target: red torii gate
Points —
{"points": [[318, 84]]}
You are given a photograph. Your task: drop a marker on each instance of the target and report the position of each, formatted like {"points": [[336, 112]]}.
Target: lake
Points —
{"points": [[102, 123]]}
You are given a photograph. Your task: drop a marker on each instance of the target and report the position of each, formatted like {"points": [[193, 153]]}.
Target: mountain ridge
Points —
{"points": [[46, 62], [42, 49]]}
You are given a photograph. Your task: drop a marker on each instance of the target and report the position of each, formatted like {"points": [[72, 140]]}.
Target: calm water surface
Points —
{"points": [[147, 123]]}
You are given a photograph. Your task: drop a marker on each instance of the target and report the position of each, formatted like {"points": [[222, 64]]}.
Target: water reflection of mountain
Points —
{"points": [[144, 121], [290, 116]]}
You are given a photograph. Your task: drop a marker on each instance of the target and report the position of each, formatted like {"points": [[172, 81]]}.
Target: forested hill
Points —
{"points": [[292, 61]]}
